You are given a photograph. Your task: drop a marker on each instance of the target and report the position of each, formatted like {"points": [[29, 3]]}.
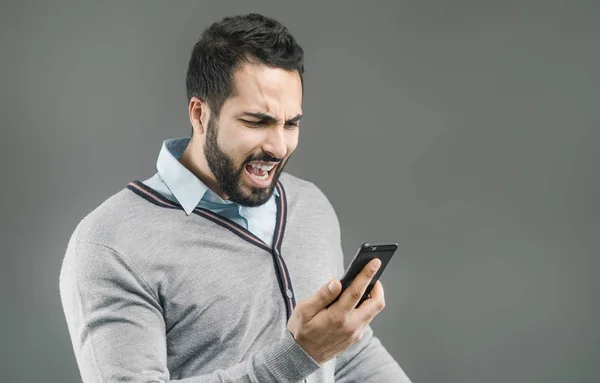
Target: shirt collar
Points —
{"points": [[185, 186]]}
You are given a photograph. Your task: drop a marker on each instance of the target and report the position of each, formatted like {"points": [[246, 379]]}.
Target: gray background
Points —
{"points": [[466, 131]]}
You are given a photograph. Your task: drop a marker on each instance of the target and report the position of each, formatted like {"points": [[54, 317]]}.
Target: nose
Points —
{"points": [[275, 142]]}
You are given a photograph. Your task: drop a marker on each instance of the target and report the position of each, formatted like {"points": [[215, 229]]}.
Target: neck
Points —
{"points": [[194, 160]]}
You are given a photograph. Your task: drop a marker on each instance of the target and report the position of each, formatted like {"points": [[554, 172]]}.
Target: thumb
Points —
{"points": [[323, 297], [333, 289]]}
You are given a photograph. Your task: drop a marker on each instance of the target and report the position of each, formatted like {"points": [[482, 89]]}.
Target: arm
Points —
{"points": [[368, 361], [118, 332]]}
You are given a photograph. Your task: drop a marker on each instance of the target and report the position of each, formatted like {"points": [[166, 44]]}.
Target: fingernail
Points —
{"points": [[376, 264], [331, 286]]}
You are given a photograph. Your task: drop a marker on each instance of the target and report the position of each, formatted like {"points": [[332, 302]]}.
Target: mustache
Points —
{"points": [[265, 158]]}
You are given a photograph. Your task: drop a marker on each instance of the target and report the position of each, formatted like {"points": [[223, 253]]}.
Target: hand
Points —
{"points": [[326, 332]]}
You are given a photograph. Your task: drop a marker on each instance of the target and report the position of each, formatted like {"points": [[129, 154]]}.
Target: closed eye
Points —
{"points": [[253, 123], [260, 123]]}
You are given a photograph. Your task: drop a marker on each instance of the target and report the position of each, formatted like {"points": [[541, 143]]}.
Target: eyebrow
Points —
{"points": [[268, 119]]}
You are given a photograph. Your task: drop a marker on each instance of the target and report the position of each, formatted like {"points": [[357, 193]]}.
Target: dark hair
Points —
{"points": [[226, 45]]}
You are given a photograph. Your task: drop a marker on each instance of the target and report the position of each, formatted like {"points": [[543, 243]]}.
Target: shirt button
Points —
{"points": [[289, 294]]}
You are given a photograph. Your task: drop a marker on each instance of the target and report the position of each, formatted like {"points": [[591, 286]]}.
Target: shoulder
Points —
{"points": [[306, 192], [98, 250], [119, 214], [296, 185]]}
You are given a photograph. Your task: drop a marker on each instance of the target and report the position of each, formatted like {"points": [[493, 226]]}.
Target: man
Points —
{"points": [[219, 268]]}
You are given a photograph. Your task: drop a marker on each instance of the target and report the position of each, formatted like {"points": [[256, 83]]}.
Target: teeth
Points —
{"points": [[266, 168]]}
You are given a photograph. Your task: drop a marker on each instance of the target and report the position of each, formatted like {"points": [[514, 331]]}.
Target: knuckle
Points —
{"points": [[370, 272], [380, 305], [356, 293], [322, 300], [338, 320]]}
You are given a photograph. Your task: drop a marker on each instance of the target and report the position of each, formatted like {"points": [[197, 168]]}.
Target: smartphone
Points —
{"points": [[367, 252]]}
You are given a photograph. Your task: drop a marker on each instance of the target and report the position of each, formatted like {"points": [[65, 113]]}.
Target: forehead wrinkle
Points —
{"points": [[258, 93], [270, 106]]}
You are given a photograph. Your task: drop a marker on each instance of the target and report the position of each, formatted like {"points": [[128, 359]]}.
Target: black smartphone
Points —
{"points": [[367, 252]]}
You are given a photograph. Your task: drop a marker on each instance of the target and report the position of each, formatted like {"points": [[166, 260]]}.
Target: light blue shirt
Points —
{"points": [[176, 183]]}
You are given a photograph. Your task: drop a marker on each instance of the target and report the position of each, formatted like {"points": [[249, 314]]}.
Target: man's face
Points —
{"points": [[257, 125]]}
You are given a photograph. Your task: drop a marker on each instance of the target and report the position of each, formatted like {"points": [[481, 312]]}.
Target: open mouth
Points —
{"points": [[260, 174]]}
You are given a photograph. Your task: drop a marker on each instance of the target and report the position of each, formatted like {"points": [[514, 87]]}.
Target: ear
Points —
{"points": [[199, 115]]}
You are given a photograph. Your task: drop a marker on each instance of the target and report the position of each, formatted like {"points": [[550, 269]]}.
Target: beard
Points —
{"points": [[229, 176]]}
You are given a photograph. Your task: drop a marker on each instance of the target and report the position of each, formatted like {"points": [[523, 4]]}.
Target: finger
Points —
{"points": [[373, 306], [355, 291], [323, 297]]}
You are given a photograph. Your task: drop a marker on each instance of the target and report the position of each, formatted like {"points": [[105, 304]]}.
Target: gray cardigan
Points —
{"points": [[151, 294]]}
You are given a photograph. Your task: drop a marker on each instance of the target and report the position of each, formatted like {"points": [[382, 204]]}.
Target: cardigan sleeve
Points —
{"points": [[117, 328], [368, 361]]}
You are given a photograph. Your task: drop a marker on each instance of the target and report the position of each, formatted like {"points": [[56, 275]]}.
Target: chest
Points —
{"points": [[219, 291]]}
